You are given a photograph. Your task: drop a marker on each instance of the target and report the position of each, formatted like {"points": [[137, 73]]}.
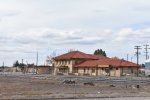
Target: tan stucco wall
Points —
{"points": [[68, 63], [100, 71], [118, 72], [125, 71], [86, 71], [115, 72], [80, 71]]}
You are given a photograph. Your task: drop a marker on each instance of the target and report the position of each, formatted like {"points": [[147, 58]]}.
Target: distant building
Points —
{"points": [[80, 63], [147, 67], [39, 69], [147, 64]]}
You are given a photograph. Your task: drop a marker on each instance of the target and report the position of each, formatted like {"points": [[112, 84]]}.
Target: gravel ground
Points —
{"points": [[20, 86], [125, 98]]}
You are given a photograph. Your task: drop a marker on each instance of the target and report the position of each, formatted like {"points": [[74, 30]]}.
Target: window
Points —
{"points": [[61, 62], [132, 71], [69, 62], [76, 62], [88, 70], [84, 70], [65, 61], [111, 68], [93, 70], [56, 62], [76, 70]]}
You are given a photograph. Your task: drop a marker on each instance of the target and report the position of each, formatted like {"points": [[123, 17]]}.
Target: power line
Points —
{"points": [[146, 51], [17, 51]]}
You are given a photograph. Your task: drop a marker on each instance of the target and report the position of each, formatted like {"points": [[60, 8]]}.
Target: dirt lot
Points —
{"points": [[29, 87]]}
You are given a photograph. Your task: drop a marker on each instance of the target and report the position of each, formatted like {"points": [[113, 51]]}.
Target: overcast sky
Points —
{"points": [[28, 26]]}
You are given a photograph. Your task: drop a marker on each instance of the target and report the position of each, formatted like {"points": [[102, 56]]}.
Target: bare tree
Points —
{"points": [[50, 58], [70, 50]]}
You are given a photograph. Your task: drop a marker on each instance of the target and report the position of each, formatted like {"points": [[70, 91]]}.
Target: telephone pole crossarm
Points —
{"points": [[137, 53]]}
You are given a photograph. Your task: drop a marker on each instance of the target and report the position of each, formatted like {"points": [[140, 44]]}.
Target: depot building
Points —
{"points": [[79, 63]]}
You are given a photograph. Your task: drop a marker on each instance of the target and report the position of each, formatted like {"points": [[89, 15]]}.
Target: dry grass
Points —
{"points": [[29, 88]]}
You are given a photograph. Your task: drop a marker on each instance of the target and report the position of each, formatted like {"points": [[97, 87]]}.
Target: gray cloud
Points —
{"points": [[73, 38], [142, 8], [50, 35], [82, 41], [28, 41], [4, 38], [99, 11], [9, 13]]}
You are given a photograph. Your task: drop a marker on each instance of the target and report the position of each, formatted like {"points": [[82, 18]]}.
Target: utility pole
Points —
{"points": [[22, 62], [27, 67], [23, 69], [137, 55], [127, 57], [146, 51], [3, 66], [37, 58]]}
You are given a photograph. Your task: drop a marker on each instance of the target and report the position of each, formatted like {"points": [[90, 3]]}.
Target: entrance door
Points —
{"points": [[63, 70], [107, 71]]}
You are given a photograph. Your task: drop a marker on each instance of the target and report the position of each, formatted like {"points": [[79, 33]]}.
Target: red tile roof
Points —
{"points": [[78, 55], [95, 60], [98, 57], [111, 62]]}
